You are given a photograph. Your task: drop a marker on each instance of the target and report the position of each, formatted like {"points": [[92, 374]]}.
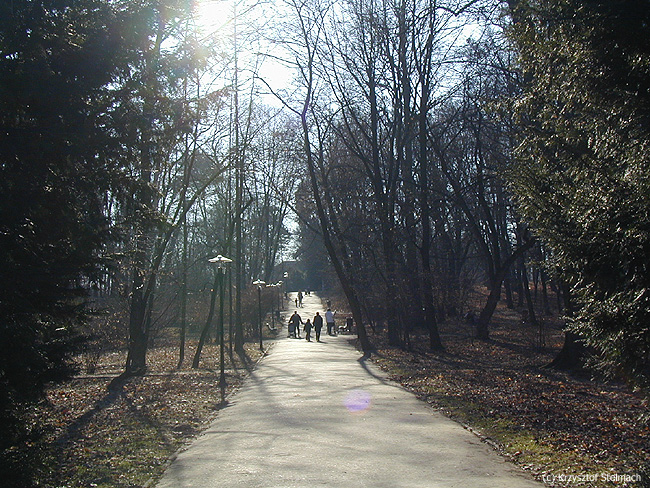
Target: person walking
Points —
{"points": [[308, 330], [349, 324], [300, 299], [329, 319], [294, 325], [318, 325]]}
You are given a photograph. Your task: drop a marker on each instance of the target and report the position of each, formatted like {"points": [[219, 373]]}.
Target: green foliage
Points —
{"points": [[57, 61], [582, 177]]}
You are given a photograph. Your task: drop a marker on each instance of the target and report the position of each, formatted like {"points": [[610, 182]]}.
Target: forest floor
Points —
{"points": [[566, 429], [101, 438]]}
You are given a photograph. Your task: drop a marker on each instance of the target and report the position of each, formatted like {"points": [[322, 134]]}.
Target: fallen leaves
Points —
{"points": [[543, 419], [122, 439]]}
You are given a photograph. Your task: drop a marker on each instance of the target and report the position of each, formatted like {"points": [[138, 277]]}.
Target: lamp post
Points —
{"points": [[272, 286], [221, 263], [286, 283], [259, 284]]}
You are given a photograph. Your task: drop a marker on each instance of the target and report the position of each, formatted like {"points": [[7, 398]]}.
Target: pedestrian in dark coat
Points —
{"points": [[318, 325], [294, 325]]}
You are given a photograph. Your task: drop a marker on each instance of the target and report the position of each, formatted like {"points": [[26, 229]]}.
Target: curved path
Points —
{"points": [[315, 414]]}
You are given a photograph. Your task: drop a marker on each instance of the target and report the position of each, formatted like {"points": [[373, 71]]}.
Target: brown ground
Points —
{"points": [[551, 423], [123, 439]]}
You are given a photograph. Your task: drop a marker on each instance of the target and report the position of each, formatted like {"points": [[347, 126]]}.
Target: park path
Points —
{"points": [[316, 414]]}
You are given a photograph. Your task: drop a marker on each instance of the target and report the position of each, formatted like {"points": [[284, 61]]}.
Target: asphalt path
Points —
{"points": [[318, 414]]}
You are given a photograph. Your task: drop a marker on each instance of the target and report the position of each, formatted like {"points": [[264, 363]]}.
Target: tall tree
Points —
{"points": [[582, 176], [308, 23], [157, 118], [59, 61], [153, 145], [353, 70]]}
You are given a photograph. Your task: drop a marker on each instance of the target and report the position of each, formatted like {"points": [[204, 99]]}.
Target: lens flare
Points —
{"points": [[357, 401]]}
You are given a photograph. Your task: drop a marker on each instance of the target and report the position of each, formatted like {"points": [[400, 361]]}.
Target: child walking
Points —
{"points": [[307, 330]]}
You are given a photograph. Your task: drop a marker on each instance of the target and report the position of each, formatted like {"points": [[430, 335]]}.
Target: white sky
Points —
{"points": [[216, 18]]}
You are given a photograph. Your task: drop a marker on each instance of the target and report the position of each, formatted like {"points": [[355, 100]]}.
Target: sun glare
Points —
{"points": [[213, 15]]}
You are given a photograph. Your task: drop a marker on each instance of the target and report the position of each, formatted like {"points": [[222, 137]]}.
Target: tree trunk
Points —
{"points": [[530, 306], [208, 322], [239, 195], [435, 342], [183, 324], [348, 290], [482, 331], [573, 351], [507, 284], [545, 302], [571, 355]]}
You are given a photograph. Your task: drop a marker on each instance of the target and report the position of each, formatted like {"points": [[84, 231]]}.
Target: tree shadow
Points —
{"points": [[244, 359], [75, 431], [363, 361], [75, 428]]}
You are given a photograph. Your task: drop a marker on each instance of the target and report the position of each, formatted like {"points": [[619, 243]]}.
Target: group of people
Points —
{"points": [[300, 296], [295, 321]]}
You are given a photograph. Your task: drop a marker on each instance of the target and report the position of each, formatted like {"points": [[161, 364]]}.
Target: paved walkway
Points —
{"points": [[314, 414]]}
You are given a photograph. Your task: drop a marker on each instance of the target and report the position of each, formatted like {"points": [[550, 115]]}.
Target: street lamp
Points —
{"points": [[259, 284], [286, 284], [221, 262], [272, 286], [279, 297]]}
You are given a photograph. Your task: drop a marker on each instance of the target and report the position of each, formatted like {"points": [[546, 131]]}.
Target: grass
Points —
{"points": [[123, 439]]}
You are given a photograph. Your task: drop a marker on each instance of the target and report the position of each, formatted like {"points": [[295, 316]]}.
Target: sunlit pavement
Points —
{"points": [[316, 414]]}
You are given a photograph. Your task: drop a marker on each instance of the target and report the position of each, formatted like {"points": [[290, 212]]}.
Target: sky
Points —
{"points": [[216, 18]]}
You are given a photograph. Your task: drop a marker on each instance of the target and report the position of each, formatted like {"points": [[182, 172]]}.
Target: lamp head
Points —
{"points": [[221, 261]]}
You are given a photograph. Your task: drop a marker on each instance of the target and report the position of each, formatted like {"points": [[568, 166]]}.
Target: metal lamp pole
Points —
{"points": [[272, 286], [259, 284], [221, 262]]}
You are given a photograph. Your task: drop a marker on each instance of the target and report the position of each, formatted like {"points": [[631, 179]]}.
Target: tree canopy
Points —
{"points": [[582, 173], [436, 154], [56, 65]]}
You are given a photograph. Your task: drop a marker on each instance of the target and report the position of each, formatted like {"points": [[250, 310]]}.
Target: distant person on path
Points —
{"points": [[300, 299], [308, 330], [294, 325], [318, 325], [329, 319], [349, 324], [329, 303]]}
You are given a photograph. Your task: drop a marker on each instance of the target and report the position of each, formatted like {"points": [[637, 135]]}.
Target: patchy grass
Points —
{"points": [[566, 430], [118, 439]]}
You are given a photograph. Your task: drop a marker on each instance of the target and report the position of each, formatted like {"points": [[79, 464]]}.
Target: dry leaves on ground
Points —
{"points": [[551, 423], [124, 438]]}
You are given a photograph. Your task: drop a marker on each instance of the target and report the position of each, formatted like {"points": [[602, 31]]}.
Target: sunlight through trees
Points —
{"points": [[428, 158]]}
